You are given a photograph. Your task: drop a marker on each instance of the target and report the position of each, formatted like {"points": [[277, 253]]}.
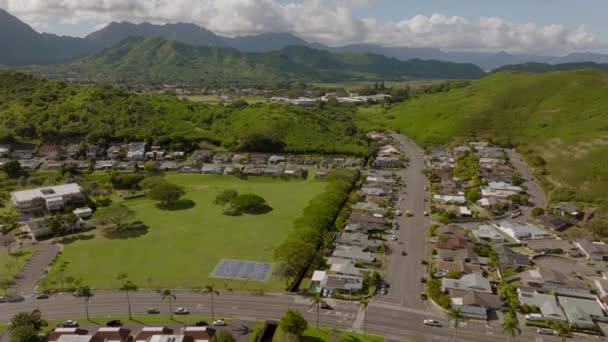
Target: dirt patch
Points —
{"points": [[200, 187]]}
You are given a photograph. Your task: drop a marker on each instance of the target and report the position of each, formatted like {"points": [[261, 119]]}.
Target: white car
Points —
{"points": [[545, 331], [394, 237], [181, 311], [431, 322], [219, 323], [426, 213]]}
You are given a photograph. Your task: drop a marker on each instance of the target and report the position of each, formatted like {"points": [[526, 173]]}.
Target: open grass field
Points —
{"points": [[182, 248], [560, 117]]}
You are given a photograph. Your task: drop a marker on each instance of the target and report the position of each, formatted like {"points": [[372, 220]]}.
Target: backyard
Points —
{"points": [[181, 248]]}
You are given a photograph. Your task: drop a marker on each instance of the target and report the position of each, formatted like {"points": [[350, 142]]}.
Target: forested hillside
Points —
{"points": [[559, 120], [34, 109], [156, 60]]}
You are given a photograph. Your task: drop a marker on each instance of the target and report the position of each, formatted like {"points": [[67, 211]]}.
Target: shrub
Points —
{"points": [[249, 203], [226, 196]]}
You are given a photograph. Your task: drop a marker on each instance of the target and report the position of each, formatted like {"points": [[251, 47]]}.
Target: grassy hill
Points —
{"points": [[156, 60], [34, 109], [558, 118], [544, 67]]}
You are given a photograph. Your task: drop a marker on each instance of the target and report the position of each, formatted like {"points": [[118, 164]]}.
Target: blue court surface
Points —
{"points": [[242, 270]]}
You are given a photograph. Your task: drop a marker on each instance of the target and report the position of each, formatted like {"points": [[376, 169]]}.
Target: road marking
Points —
{"points": [[398, 307]]}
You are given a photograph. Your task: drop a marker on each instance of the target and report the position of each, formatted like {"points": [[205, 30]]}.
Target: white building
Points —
{"points": [[55, 197], [521, 232]]}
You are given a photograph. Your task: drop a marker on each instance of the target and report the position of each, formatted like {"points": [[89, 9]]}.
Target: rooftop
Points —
{"points": [[46, 192]]}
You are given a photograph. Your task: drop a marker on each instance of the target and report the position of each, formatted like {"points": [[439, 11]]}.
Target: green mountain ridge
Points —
{"points": [[559, 121], [156, 60], [545, 67]]}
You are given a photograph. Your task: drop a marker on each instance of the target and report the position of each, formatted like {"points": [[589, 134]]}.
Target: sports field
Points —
{"points": [[182, 248]]}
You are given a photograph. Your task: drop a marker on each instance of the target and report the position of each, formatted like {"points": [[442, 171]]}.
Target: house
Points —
{"points": [[367, 219], [554, 246], [195, 334], [507, 258], [317, 278], [4, 150], [75, 338], [322, 173], [253, 170], [73, 151], [274, 159], [136, 151], [567, 209], [240, 158], [51, 164], [474, 281], [488, 233], [597, 251], [351, 162], [53, 152], [215, 169], [30, 164], [93, 151], [474, 304], [457, 266], [346, 283], [202, 156], [190, 168], [126, 166], [373, 191], [450, 199], [274, 171], [581, 312], [168, 166], [60, 331], [392, 162], [53, 197], [116, 152], [368, 206], [355, 253], [347, 268], [147, 332], [519, 232], [22, 151], [548, 305], [553, 223], [360, 239], [104, 164], [291, 171], [451, 231], [380, 136], [84, 212], [259, 158], [107, 334], [453, 243], [222, 158], [155, 155], [387, 150], [38, 227], [467, 255]]}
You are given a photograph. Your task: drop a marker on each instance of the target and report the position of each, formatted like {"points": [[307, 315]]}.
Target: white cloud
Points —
{"points": [[327, 21]]}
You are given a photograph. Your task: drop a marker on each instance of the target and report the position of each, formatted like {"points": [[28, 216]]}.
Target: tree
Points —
{"points": [[86, 294], [562, 329], [456, 315], [168, 194], [225, 196], [118, 215], [363, 304], [510, 325], [249, 203], [223, 336], [151, 168], [317, 302], [24, 333], [39, 206], [167, 294], [126, 286], [210, 290], [55, 223], [152, 181], [9, 219], [34, 319], [293, 323], [13, 169]]}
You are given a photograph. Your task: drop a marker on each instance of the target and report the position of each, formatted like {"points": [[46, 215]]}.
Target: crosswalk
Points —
{"points": [[392, 306]]}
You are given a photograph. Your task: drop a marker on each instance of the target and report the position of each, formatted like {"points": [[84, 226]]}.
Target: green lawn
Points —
{"points": [[182, 248]]}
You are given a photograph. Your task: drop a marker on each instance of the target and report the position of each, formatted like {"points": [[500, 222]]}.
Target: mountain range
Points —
{"points": [[158, 60], [22, 45]]}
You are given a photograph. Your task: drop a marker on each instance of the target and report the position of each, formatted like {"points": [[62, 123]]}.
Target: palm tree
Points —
{"points": [[456, 315], [318, 302], [562, 329], [363, 304], [210, 289], [126, 286], [167, 294], [86, 294], [510, 325]]}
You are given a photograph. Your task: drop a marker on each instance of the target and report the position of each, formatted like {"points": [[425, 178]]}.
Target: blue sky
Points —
{"points": [[540, 26]]}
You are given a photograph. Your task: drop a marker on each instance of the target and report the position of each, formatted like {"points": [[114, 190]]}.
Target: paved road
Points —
{"points": [[403, 273], [395, 322], [536, 193]]}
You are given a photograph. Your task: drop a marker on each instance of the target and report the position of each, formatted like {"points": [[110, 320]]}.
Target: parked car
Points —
{"points": [[181, 311], [42, 296], [545, 331], [398, 213], [426, 213], [431, 322], [3, 299], [70, 324], [423, 296], [394, 237], [403, 253], [383, 291], [220, 322], [201, 324], [153, 311], [515, 214], [114, 323], [534, 317]]}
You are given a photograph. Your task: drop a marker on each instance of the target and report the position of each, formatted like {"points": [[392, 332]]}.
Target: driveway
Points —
{"points": [[35, 268], [403, 273]]}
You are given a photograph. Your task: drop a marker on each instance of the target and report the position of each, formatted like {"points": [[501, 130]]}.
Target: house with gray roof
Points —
{"points": [[488, 233], [360, 239], [474, 281], [597, 251], [582, 312], [215, 169], [548, 305], [474, 304], [355, 253], [351, 284]]}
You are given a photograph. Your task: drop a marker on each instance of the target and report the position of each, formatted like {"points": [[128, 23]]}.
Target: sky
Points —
{"points": [[517, 26]]}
